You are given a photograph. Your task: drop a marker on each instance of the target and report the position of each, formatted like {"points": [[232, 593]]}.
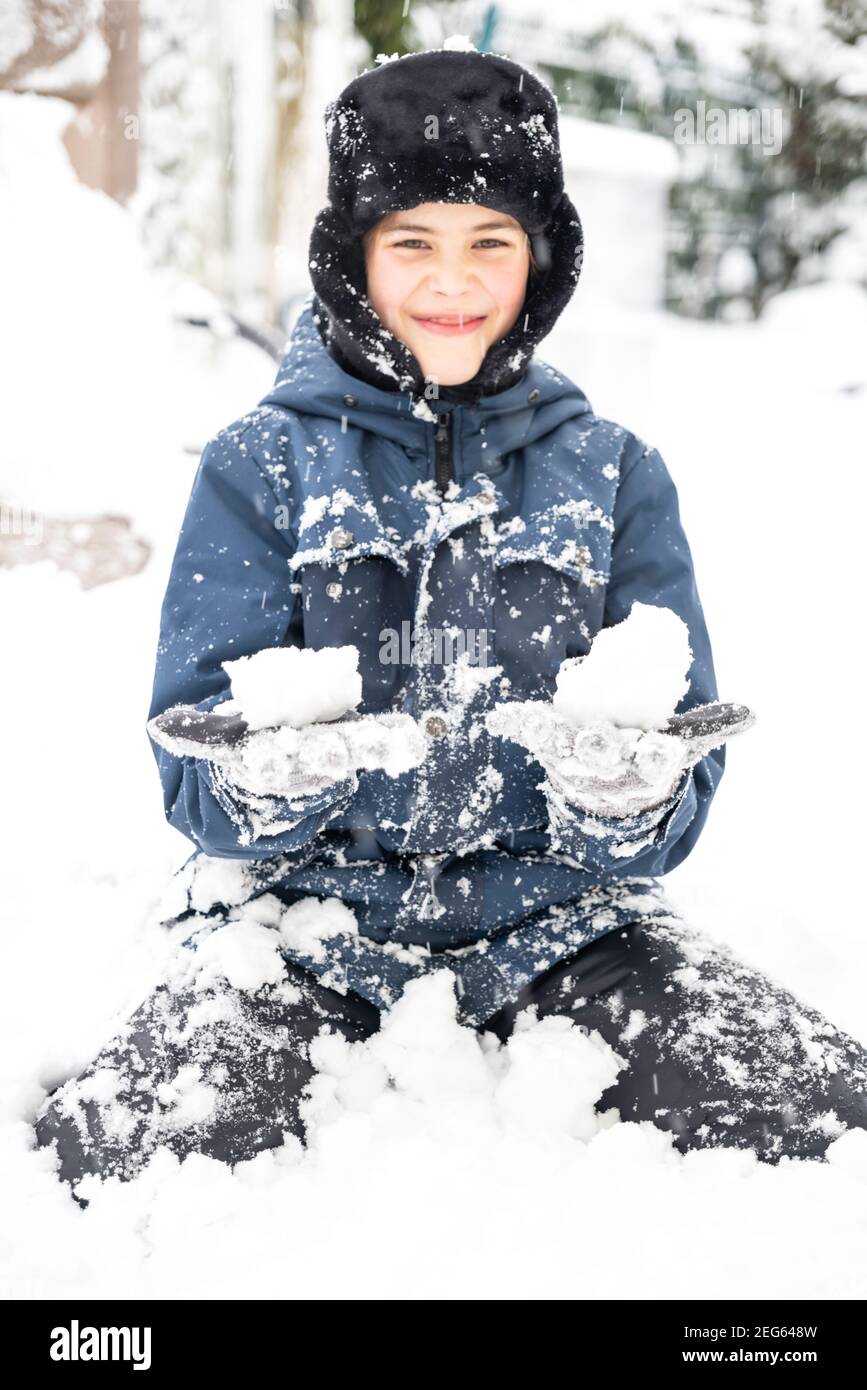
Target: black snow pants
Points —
{"points": [[714, 1052]]}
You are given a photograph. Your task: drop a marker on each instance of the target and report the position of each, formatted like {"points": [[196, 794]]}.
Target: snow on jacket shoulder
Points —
{"points": [[465, 551]]}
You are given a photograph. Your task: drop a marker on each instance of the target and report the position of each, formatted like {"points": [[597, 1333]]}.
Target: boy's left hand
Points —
{"points": [[611, 771]]}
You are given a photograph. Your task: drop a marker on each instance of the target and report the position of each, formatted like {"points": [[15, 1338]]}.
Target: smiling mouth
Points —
{"points": [[450, 323]]}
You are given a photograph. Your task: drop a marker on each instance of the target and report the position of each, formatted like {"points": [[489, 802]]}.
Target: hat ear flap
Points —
{"points": [[541, 251], [559, 251], [339, 277]]}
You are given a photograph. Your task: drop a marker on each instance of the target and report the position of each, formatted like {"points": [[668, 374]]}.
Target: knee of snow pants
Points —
{"points": [[205, 1067], [714, 1051]]}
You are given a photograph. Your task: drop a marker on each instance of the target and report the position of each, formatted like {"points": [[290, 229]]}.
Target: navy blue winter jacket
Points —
{"points": [[333, 514]]}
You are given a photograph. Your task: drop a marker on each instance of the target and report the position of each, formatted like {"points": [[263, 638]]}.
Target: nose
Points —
{"points": [[451, 275]]}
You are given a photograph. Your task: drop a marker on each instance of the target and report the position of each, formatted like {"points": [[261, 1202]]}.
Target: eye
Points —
{"points": [[486, 243]]}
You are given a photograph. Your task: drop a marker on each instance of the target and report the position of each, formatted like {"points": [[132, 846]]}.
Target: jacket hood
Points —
{"points": [[310, 381]]}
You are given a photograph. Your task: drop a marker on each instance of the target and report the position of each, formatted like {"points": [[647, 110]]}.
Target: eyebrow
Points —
{"points": [[479, 227]]}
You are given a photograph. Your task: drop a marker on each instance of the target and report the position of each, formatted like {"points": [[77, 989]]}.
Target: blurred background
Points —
{"points": [[161, 162]]}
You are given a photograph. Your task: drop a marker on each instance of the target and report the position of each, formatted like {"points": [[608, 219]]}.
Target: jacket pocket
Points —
{"points": [[336, 531], [573, 537], [551, 574], [356, 588]]}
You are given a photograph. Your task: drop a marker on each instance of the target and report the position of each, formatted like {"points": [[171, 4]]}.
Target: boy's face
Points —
{"points": [[448, 279]]}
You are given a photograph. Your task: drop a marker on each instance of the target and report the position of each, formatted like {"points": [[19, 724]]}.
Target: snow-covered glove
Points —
{"points": [[286, 762], [610, 771]]}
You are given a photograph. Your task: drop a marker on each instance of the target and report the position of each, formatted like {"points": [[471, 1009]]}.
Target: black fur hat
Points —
{"points": [[445, 125]]}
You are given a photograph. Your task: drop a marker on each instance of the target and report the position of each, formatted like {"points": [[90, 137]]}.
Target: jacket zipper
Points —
{"points": [[443, 440]]}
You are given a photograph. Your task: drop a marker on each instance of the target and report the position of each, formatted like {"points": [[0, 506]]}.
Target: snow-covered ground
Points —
{"points": [[476, 1174]]}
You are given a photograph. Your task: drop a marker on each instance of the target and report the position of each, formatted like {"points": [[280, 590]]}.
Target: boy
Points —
{"points": [[431, 473]]}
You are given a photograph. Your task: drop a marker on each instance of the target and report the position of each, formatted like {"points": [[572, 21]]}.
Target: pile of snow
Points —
{"points": [[463, 1168], [295, 685], [833, 315], [634, 674]]}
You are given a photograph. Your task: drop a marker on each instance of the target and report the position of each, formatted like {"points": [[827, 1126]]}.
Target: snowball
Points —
{"points": [[215, 880], [848, 1152], [307, 924], [634, 674], [555, 1075], [295, 685], [244, 953], [191, 1101]]}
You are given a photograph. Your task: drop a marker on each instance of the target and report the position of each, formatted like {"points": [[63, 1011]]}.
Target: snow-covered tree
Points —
{"points": [[38, 35], [745, 223], [810, 60]]}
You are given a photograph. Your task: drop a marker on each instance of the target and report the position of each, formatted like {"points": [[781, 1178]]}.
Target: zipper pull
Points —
{"points": [[443, 441]]}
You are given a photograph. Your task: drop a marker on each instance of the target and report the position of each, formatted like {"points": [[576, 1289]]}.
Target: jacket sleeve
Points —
{"points": [[651, 563], [228, 595]]}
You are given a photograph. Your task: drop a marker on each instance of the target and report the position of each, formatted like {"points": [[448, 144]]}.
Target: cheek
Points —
{"points": [[507, 285], [389, 283]]}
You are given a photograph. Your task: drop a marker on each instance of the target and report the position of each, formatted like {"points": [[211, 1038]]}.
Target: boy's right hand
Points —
{"points": [[289, 762]]}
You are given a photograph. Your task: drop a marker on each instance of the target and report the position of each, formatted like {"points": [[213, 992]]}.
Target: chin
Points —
{"points": [[452, 378], [451, 373]]}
